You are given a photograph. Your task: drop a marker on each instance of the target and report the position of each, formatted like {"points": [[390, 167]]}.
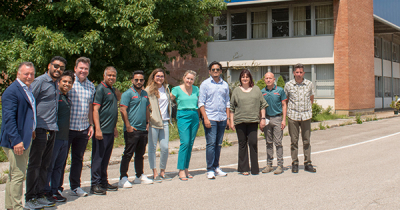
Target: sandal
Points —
{"points": [[183, 178], [245, 173], [189, 176]]}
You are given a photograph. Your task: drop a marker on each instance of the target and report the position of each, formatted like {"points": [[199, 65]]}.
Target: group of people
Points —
{"points": [[47, 117]]}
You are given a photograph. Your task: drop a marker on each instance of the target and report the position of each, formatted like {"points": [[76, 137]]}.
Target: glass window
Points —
{"points": [[302, 21], [388, 82], [281, 71], [396, 87], [324, 19], [386, 50], [219, 29], [239, 25], [307, 72], [395, 52], [259, 26], [377, 47], [325, 80], [280, 22], [378, 86]]}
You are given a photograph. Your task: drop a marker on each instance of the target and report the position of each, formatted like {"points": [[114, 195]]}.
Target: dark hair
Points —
{"points": [[59, 58], [83, 60], [298, 66], [247, 72], [68, 73], [137, 72], [214, 63]]}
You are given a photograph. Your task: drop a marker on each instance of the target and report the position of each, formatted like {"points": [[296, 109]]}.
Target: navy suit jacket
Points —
{"points": [[17, 125]]}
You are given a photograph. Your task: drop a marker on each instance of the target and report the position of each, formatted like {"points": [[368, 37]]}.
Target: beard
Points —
{"points": [[53, 72], [138, 86]]}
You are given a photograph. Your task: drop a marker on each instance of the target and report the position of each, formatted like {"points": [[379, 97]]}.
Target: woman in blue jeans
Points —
{"points": [[186, 96], [160, 115]]}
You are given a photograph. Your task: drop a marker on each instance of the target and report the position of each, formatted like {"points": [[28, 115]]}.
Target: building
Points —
{"points": [[350, 48]]}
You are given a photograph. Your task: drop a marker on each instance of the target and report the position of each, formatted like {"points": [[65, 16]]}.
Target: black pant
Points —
{"points": [[135, 142], [247, 134], [101, 153], [39, 160], [77, 142]]}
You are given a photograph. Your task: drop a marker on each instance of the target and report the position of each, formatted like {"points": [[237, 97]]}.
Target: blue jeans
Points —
{"points": [[214, 137], [55, 170], [161, 135]]}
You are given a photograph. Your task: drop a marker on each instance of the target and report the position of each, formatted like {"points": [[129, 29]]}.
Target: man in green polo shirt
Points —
{"points": [[105, 116], [276, 114], [135, 113]]}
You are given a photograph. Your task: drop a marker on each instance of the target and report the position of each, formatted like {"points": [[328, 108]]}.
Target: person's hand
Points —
{"points": [[19, 148], [283, 124], [147, 127], [33, 135], [262, 124], [232, 126], [90, 132], [130, 129], [228, 124], [207, 123], [115, 132], [98, 134]]}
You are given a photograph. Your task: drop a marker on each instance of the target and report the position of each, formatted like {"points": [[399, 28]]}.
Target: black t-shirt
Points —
{"points": [[64, 111]]}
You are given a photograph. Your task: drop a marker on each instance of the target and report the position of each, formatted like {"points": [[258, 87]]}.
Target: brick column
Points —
{"points": [[354, 56]]}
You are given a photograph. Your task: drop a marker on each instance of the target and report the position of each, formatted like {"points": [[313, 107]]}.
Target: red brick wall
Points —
{"points": [[178, 66], [354, 55]]}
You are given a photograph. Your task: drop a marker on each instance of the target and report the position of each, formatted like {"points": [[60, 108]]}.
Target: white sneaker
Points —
{"points": [[219, 172], [211, 175], [143, 180], [33, 204], [79, 192], [124, 183]]}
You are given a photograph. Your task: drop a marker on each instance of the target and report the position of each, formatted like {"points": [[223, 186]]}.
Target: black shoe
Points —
{"points": [[97, 190], [295, 168], [59, 198], [310, 168], [49, 197], [109, 187]]}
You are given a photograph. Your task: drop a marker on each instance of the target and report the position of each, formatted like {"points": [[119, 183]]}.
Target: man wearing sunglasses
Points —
{"points": [[135, 113], [45, 91], [214, 104]]}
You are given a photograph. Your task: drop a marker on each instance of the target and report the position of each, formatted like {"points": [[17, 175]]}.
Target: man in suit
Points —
{"points": [[17, 131]]}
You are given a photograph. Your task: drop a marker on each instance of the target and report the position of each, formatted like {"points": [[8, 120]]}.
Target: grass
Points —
{"points": [[321, 126], [358, 119], [328, 116]]}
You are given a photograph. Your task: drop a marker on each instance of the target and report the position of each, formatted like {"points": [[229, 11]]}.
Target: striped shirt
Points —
{"points": [[299, 99], [28, 92], [81, 96]]}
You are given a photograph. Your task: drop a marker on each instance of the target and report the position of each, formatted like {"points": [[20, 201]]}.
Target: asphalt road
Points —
{"points": [[357, 168]]}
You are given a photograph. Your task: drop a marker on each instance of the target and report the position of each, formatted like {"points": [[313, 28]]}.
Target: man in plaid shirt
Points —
{"points": [[300, 94], [81, 123]]}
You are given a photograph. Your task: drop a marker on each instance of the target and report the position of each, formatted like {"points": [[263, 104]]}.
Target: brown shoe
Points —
{"points": [[278, 170], [267, 169]]}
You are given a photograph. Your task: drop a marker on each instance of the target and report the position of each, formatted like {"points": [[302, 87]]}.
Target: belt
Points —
{"points": [[278, 115]]}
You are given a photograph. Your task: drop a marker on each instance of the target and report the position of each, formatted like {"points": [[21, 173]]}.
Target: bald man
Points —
{"points": [[276, 114]]}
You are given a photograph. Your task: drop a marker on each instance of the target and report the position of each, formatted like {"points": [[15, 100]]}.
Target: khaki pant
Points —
{"points": [[305, 136], [16, 176], [273, 135]]}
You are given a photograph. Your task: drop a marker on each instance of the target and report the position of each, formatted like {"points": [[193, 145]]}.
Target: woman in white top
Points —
{"points": [[160, 115]]}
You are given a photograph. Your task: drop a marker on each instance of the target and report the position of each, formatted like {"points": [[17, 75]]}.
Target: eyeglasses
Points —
{"points": [[56, 66], [159, 76], [215, 69], [139, 80]]}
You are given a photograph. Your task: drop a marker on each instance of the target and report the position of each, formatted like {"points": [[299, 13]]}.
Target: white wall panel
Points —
{"points": [[378, 66], [387, 68]]}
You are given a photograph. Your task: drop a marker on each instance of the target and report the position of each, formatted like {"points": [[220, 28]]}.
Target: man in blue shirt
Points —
{"points": [[276, 114], [214, 106], [46, 93]]}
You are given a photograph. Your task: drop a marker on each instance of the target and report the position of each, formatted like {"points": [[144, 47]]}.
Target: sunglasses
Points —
{"points": [[215, 69], [56, 66], [139, 80]]}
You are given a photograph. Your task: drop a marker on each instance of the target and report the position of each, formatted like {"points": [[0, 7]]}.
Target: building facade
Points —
{"points": [[350, 53]]}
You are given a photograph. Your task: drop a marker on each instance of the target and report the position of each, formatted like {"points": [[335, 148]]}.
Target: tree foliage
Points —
{"points": [[281, 82], [127, 34]]}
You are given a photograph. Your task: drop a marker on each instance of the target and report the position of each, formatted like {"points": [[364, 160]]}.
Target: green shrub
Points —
{"points": [[261, 84], [316, 110], [281, 82]]}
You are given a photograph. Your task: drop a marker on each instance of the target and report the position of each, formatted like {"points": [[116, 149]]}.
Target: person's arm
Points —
{"points": [[90, 131], [201, 103], [262, 121], [10, 106], [228, 105], [312, 99], [96, 121], [205, 118], [228, 111], [124, 115], [232, 107], [232, 126], [147, 117], [284, 110]]}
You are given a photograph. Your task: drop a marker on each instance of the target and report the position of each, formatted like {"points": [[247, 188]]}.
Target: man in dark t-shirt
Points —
{"points": [[60, 151]]}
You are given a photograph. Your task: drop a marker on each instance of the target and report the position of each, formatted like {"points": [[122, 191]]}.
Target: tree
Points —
{"points": [[281, 82], [127, 34]]}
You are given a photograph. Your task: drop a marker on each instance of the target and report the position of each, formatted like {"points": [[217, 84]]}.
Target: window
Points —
{"points": [[307, 72], [302, 21], [219, 30], [396, 87], [395, 53], [386, 50], [378, 86], [388, 82], [281, 71], [259, 26], [280, 22], [325, 83], [239, 25], [377, 47], [324, 19]]}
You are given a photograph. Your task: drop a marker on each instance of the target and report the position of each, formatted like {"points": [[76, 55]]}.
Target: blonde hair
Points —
{"points": [[190, 72], [153, 89]]}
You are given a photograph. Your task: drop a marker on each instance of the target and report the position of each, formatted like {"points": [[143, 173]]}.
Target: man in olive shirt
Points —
{"points": [[60, 151], [300, 95], [105, 116], [276, 114]]}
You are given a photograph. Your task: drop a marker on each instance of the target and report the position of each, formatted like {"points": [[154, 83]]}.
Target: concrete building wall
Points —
{"points": [[354, 56]]}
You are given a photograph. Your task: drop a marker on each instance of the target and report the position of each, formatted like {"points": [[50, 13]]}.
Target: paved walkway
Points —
{"points": [[200, 142]]}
